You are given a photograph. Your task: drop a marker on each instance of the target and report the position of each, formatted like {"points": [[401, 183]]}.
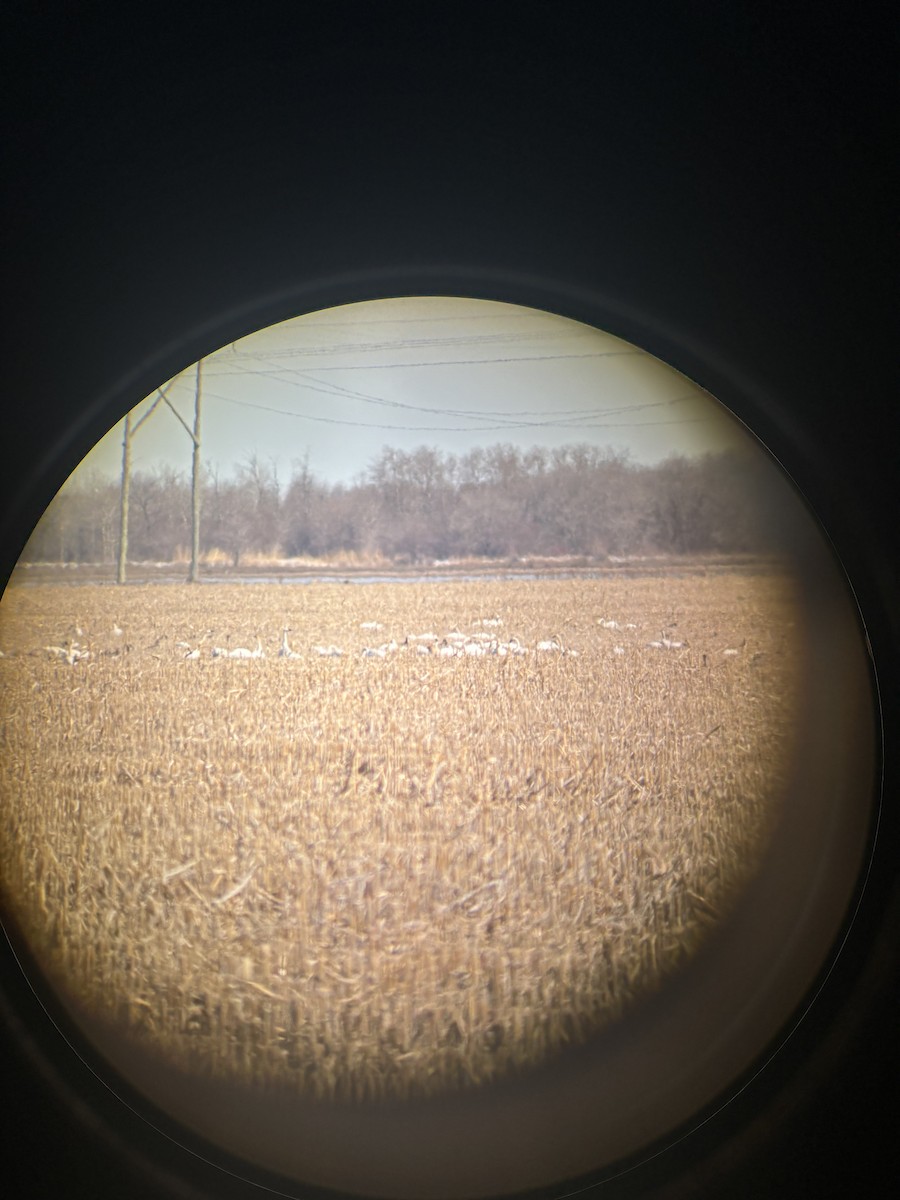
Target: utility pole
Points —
{"points": [[195, 487], [130, 431], [194, 435], [123, 510]]}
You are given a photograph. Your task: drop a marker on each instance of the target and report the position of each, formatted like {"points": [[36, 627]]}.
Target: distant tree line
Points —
{"points": [[425, 505]]}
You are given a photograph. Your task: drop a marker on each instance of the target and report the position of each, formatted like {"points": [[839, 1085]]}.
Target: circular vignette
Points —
{"points": [[416, 1159]]}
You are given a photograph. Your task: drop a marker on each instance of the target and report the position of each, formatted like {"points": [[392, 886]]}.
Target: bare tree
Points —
{"points": [[261, 496], [425, 504], [159, 521]]}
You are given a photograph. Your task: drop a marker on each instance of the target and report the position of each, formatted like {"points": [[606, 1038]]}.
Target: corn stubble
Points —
{"points": [[363, 879]]}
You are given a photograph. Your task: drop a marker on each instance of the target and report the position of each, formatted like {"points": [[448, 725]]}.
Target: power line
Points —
{"points": [[417, 343], [574, 420], [476, 362], [574, 417], [515, 419], [457, 428], [300, 379]]}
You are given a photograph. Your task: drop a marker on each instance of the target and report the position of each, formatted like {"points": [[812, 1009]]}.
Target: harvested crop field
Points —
{"points": [[393, 873]]}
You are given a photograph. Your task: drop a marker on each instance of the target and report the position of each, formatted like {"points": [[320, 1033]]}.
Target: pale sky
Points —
{"points": [[450, 373]]}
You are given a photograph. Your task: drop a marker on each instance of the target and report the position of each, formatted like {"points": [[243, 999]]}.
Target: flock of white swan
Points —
{"points": [[486, 641], [454, 644]]}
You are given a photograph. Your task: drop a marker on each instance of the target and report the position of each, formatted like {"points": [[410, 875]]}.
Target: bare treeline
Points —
{"points": [[426, 504]]}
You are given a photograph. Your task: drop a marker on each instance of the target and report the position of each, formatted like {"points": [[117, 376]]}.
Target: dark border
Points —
{"points": [[716, 182]]}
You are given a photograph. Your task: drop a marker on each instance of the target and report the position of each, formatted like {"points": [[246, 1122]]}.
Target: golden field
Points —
{"points": [[361, 877]]}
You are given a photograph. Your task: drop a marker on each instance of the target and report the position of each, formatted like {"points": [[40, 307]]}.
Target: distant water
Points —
{"points": [[429, 578], [25, 576]]}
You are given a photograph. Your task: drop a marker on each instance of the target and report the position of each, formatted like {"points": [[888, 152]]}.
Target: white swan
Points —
{"points": [[380, 651], [665, 643], [551, 644], [285, 651], [475, 648], [240, 652], [71, 653]]}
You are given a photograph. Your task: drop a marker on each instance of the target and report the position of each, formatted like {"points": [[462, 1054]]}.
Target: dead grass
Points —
{"points": [[385, 877]]}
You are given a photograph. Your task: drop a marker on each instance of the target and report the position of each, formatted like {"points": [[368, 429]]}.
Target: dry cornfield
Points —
{"points": [[362, 877]]}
